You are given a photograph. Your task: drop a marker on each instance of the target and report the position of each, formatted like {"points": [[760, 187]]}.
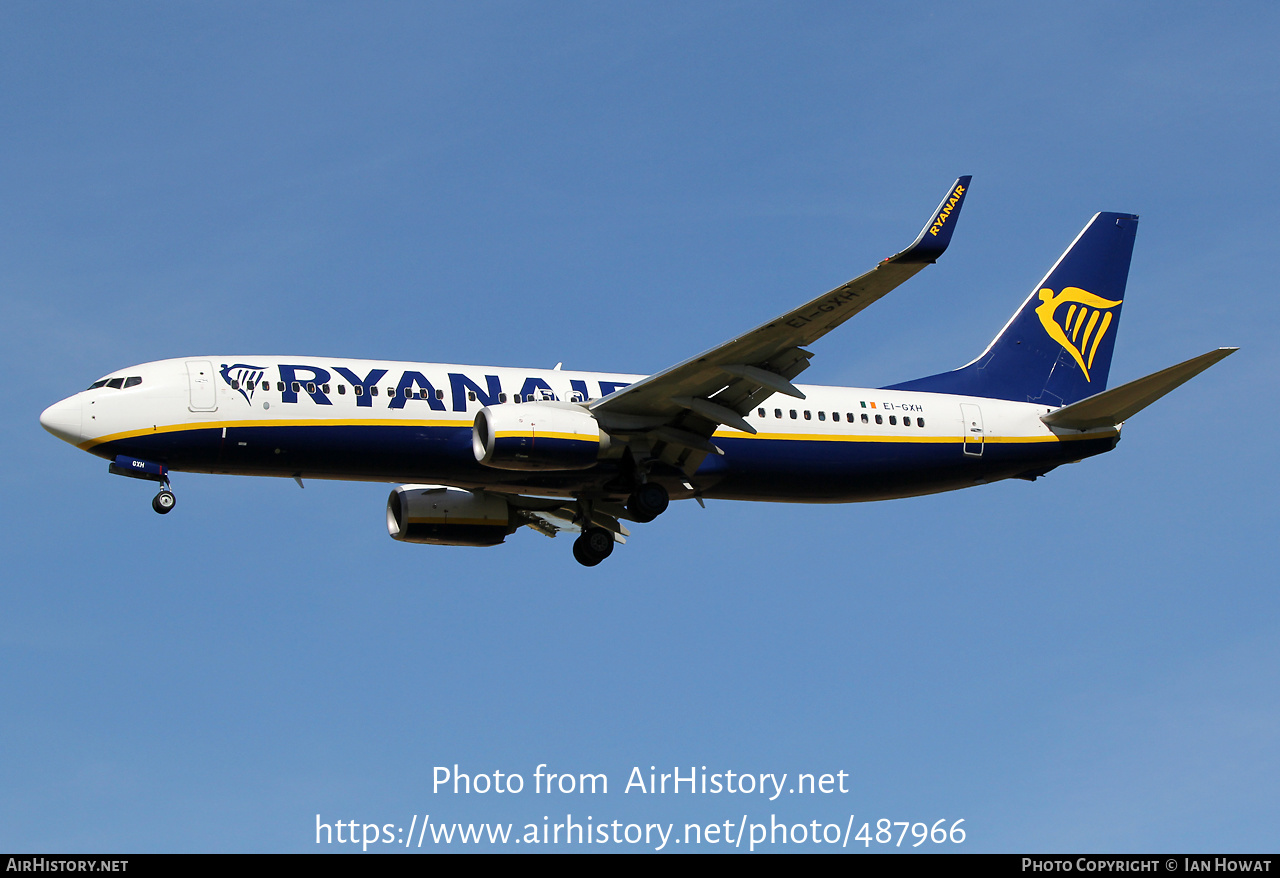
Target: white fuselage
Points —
{"points": [[394, 421]]}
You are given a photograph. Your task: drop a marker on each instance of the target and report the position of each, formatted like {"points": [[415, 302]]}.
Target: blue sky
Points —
{"points": [[1084, 663]]}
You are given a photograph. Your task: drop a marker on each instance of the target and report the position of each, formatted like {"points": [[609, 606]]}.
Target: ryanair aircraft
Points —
{"points": [[487, 450]]}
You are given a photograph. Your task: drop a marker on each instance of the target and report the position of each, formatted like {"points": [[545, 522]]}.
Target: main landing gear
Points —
{"points": [[648, 501], [593, 546]]}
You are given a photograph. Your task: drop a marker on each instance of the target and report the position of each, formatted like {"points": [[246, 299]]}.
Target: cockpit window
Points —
{"points": [[116, 383]]}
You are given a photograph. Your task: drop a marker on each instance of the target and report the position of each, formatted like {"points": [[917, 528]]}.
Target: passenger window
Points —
{"points": [[848, 416], [296, 386], [311, 387], [502, 397], [235, 384], [422, 394], [324, 387], [919, 422], [280, 386], [760, 412], [879, 419], [835, 416], [342, 390], [357, 390], [807, 416], [439, 394], [864, 418], [373, 391], [777, 413], [471, 395], [822, 416], [793, 414], [133, 381]]}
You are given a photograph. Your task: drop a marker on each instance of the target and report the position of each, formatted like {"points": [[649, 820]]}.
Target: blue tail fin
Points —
{"points": [[1057, 348]]}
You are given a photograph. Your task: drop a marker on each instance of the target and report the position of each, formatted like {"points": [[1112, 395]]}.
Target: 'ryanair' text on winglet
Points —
{"points": [[936, 235]]}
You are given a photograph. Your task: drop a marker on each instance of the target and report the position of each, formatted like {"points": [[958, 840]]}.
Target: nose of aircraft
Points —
{"points": [[62, 419]]}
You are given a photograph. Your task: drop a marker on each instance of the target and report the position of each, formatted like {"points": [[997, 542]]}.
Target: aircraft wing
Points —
{"points": [[678, 409]]}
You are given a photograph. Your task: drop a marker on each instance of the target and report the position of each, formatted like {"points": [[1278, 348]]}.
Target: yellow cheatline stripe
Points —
{"points": [[721, 434], [300, 422], [496, 522], [827, 437], [539, 434], [935, 440]]}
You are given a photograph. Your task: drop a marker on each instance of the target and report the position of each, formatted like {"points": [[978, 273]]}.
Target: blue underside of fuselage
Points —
{"points": [[794, 470]]}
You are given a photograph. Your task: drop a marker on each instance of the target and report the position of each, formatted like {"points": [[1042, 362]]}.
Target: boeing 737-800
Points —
{"points": [[484, 451]]}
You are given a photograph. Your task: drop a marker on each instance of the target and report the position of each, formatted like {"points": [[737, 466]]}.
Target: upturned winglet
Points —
{"points": [[936, 234]]}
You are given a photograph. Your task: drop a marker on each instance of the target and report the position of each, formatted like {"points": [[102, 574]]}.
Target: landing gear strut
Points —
{"points": [[648, 501], [593, 546], [146, 470]]}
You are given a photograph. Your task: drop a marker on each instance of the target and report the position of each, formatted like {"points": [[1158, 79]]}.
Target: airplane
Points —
{"points": [[482, 451]]}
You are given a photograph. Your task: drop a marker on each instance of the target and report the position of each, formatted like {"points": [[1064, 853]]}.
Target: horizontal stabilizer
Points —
{"points": [[1113, 407]]}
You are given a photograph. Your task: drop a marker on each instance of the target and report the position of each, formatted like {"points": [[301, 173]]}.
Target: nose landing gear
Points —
{"points": [[134, 468], [164, 501]]}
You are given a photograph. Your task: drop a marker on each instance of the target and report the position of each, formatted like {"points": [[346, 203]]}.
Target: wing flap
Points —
{"points": [[550, 516]]}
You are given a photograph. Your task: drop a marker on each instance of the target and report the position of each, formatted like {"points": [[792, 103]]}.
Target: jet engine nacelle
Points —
{"points": [[544, 435], [448, 516]]}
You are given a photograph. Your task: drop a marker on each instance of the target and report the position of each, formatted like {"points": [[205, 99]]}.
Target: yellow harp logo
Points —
{"points": [[1084, 325]]}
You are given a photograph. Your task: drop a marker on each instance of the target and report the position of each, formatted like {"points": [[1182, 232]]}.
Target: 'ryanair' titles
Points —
{"points": [[945, 214], [320, 385]]}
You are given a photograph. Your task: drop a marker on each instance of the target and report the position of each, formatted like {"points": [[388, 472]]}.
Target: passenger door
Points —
{"points": [[204, 394], [971, 418]]}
